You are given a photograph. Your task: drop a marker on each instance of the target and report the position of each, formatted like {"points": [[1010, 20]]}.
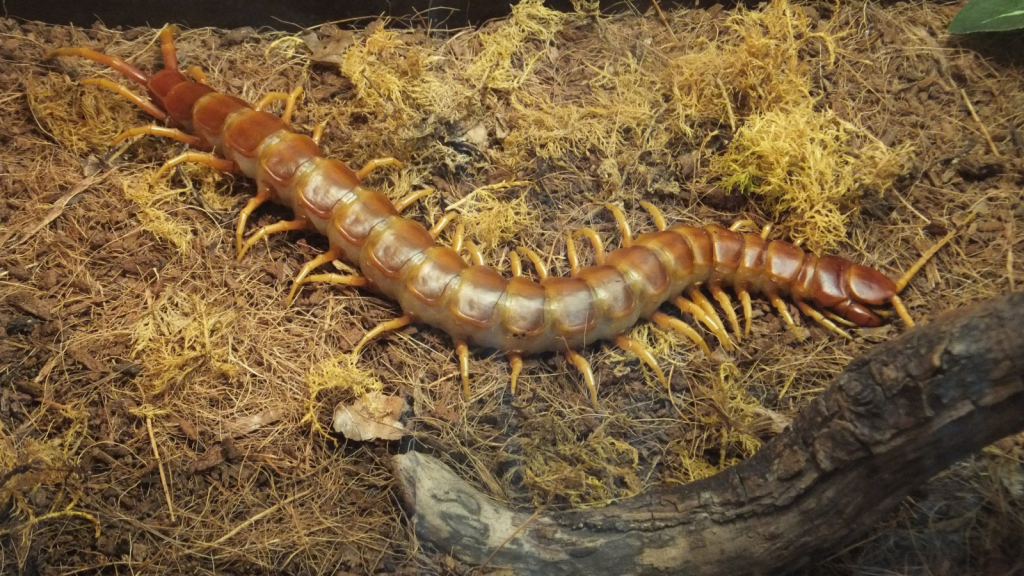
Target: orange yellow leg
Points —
{"points": [[282, 226], [154, 130], [583, 366], [462, 351], [474, 254], [388, 326], [146, 105], [712, 323], [668, 322], [304, 278], [290, 100], [730, 312], [198, 75], [515, 362], [377, 163], [217, 163], [167, 47], [595, 242], [656, 215], [318, 132], [820, 319], [404, 203], [623, 225], [538, 265], [133, 73], [747, 311], [780, 305], [897, 304], [262, 195], [644, 355]]}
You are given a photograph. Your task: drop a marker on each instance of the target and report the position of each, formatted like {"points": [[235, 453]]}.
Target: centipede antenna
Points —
{"points": [[262, 195], [474, 253], [154, 130], [644, 355], [668, 322], [623, 225], [515, 362], [730, 312], [215, 162], [198, 75], [656, 215], [463, 353], [897, 304], [167, 47], [583, 366], [925, 257], [114, 62], [407, 201], [388, 326], [747, 311], [372, 165], [300, 223], [538, 264], [817, 316], [515, 264], [329, 256], [147, 106]]}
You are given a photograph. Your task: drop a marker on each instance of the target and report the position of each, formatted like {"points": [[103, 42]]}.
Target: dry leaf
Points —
{"points": [[333, 50], [371, 417]]}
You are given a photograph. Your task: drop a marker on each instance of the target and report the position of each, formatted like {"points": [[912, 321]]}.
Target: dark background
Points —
{"points": [[280, 14]]}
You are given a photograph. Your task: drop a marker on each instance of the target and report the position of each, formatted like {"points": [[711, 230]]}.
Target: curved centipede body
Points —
{"points": [[474, 304]]}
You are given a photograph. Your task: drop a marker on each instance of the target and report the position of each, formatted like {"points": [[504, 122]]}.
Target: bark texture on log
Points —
{"points": [[895, 417]]}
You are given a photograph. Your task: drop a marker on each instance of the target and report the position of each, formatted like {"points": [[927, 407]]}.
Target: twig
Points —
{"points": [[984, 131], [256, 518], [665, 22], [160, 466]]}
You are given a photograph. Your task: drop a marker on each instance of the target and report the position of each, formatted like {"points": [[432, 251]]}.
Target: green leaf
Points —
{"points": [[988, 16]]}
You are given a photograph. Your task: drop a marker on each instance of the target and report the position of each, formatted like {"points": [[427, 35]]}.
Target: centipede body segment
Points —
{"points": [[473, 303]]}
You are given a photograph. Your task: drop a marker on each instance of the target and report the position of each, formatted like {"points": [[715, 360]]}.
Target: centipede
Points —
{"points": [[474, 304]]}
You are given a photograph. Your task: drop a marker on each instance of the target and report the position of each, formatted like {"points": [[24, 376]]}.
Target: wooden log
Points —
{"points": [[895, 417]]}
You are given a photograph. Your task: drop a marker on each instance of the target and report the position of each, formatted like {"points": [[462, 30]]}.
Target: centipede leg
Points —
{"points": [[583, 366], [714, 324], [668, 322], [290, 99], [622, 224], [780, 305], [215, 162], [329, 256], [404, 203], [515, 362], [656, 215], [167, 47], [462, 351], [644, 355], [474, 254], [318, 132], [282, 226], [820, 319], [441, 224], [388, 326], [147, 106], [197, 74], [747, 311], [538, 265], [457, 238], [726, 303], [154, 130], [377, 163], [262, 195]]}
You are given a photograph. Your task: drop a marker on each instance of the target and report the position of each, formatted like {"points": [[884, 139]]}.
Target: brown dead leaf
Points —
{"points": [[29, 304], [247, 424], [333, 50], [371, 417]]}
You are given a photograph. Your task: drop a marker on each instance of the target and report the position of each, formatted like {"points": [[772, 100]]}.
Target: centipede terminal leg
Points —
{"points": [[164, 131], [282, 226], [127, 94]]}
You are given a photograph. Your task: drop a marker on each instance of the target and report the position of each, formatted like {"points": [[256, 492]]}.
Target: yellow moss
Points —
{"points": [[180, 336], [491, 221], [156, 221], [81, 118], [507, 56], [799, 161]]}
